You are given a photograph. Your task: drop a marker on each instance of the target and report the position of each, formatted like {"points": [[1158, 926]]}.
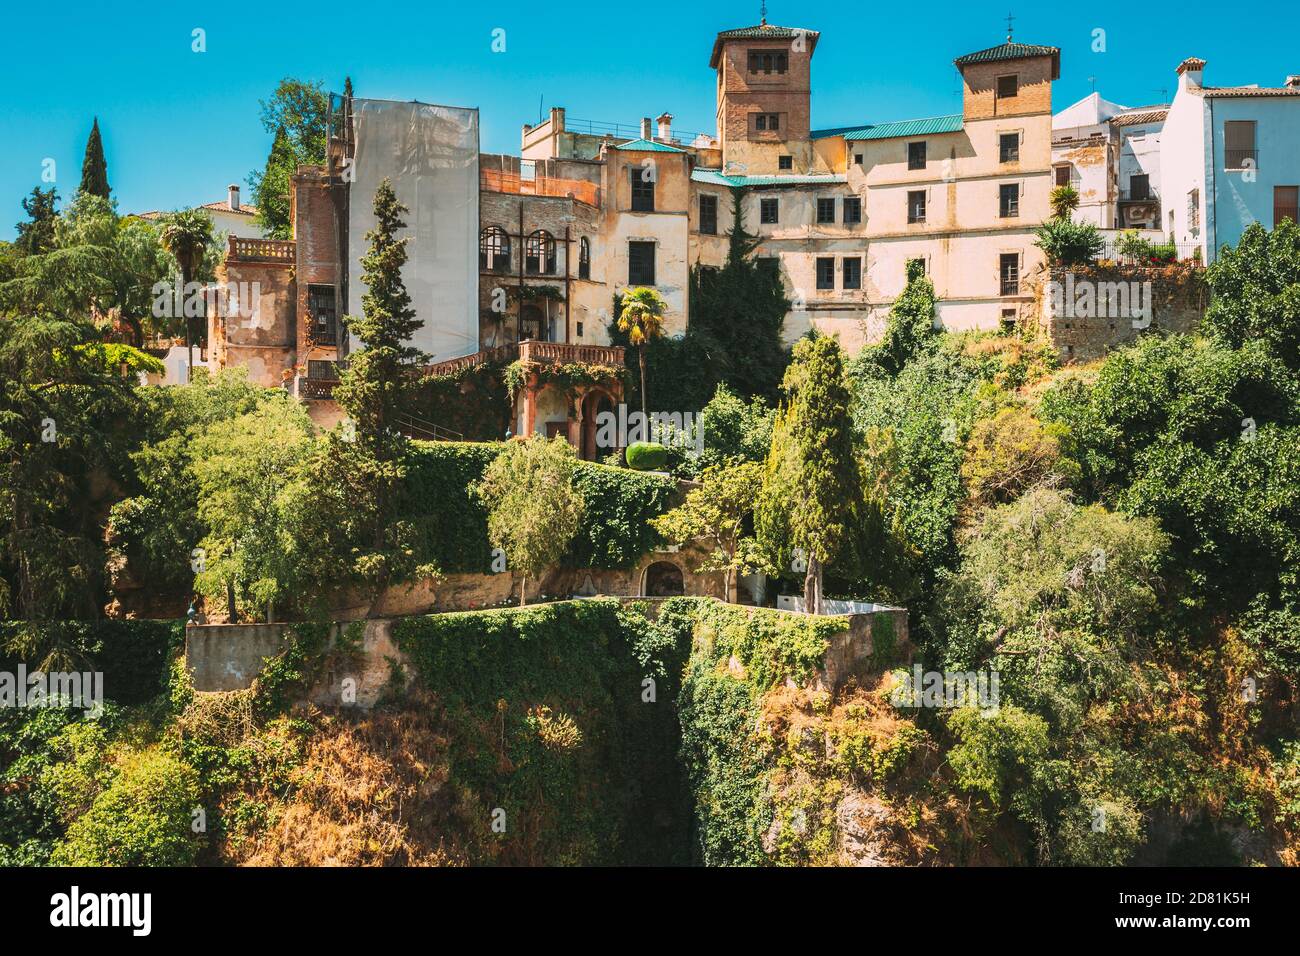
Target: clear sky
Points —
{"points": [[179, 126]]}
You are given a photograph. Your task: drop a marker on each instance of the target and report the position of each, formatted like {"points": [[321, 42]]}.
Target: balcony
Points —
{"points": [[544, 353], [499, 181], [260, 250]]}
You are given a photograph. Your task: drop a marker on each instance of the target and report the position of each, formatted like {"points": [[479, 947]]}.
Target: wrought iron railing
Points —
{"points": [[260, 250]]}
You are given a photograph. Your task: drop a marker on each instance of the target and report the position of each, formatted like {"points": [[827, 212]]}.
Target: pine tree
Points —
{"points": [[37, 234], [94, 169], [379, 382]]}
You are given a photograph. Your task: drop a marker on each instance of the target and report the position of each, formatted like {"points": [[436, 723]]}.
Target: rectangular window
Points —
{"points": [[709, 215], [826, 210], [1062, 175], [1194, 209], [767, 211], [1286, 204], [852, 210], [1009, 148], [1009, 273], [1139, 186], [852, 273], [641, 263], [1008, 86], [857, 159], [643, 188], [1239, 145], [916, 205], [321, 308], [785, 162], [766, 122], [768, 61], [771, 263], [916, 155], [1009, 200], [825, 273], [914, 267]]}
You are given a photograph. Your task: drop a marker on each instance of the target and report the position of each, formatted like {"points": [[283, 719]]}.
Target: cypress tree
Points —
{"points": [[94, 168], [812, 490]]}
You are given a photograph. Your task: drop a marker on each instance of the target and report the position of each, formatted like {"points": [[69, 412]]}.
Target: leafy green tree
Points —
{"points": [[811, 491], [1255, 291], [296, 115], [63, 414], [36, 235], [641, 318], [244, 468], [534, 507], [94, 168], [910, 329], [718, 513], [153, 531], [143, 818], [1010, 453], [271, 192]]}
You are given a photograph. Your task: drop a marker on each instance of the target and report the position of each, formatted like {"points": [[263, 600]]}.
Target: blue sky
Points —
{"points": [[178, 125]]}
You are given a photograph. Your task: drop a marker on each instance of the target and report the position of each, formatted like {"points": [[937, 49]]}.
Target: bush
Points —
{"points": [[646, 456], [1068, 243], [142, 819]]}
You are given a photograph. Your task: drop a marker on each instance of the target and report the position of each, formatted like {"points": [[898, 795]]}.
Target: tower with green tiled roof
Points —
{"points": [[764, 81]]}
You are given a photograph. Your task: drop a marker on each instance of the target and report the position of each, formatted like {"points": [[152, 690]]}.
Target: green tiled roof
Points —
{"points": [[1012, 51], [1007, 51], [714, 177], [649, 146], [912, 127], [762, 31]]}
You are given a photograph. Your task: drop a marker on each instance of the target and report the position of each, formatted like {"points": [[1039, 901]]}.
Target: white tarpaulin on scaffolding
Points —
{"points": [[430, 153]]}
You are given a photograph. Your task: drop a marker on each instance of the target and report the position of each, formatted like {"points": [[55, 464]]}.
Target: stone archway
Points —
{"points": [[663, 579]]}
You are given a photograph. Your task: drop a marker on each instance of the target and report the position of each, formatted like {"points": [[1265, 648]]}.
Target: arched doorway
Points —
{"points": [[663, 579], [593, 405]]}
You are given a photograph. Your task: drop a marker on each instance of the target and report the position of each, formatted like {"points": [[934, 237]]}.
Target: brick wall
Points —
{"points": [[979, 80]]}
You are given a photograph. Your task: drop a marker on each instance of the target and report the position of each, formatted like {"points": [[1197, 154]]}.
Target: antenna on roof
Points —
{"points": [[1164, 94], [1009, 19], [762, 13], [1092, 84]]}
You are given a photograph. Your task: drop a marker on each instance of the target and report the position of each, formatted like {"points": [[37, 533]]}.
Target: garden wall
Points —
{"points": [[1098, 307]]}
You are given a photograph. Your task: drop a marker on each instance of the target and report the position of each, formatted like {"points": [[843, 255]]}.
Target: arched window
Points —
{"points": [[584, 258], [539, 253], [494, 249]]}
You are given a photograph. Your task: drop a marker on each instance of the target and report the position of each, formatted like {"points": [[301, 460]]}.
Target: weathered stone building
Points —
{"points": [[582, 215]]}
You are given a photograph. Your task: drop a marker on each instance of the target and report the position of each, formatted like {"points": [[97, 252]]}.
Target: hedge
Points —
{"points": [[134, 656], [615, 531]]}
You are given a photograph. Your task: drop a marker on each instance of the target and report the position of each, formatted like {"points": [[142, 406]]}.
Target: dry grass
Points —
{"points": [[371, 792]]}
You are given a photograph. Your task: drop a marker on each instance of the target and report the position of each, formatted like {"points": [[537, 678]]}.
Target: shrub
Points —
{"points": [[1068, 243], [646, 456], [142, 818]]}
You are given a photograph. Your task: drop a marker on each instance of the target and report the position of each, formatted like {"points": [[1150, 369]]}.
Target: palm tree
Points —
{"points": [[1064, 201], [186, 235], [642, 318]]}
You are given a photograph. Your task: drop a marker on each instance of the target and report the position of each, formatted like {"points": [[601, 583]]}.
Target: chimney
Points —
{"points": [[557, 119], [1293, 81], [665, 122], [1189, 73], [233, 198], [645, 128]]}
